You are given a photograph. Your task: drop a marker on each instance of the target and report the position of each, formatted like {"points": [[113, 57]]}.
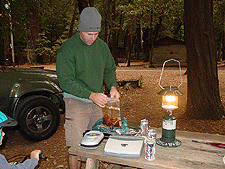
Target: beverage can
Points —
{"points": [[151, 135], [144, 127], [150, 145], [150, 150]]}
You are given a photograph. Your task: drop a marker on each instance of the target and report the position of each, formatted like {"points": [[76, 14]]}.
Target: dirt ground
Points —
{"points": [[136, 104]]}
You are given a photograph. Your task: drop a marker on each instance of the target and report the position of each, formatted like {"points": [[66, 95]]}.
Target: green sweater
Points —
{"points": [[81, 67]]}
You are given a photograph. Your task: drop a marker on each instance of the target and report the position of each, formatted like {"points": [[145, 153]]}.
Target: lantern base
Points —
{"points": [[162, 142]]}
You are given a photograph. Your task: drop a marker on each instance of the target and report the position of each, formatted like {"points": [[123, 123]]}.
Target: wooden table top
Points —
{"points": [[188, 155]]}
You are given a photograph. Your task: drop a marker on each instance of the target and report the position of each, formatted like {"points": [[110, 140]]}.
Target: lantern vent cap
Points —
{"points": [[169, 90]]}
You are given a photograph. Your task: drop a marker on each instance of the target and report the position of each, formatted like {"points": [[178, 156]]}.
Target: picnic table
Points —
{"points": [[188, 155]]}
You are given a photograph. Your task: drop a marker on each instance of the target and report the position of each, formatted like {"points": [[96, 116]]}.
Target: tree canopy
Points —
{"points": [[40, 27]]}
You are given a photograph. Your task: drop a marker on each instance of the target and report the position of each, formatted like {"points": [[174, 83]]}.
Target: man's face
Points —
{"points": [[89, 37]]}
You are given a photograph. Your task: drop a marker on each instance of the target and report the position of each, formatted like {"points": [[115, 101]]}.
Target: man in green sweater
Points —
{"points": [[83, 61]]}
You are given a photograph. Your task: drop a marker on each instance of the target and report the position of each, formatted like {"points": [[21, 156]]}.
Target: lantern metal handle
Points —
{"points": [[163, 69]]}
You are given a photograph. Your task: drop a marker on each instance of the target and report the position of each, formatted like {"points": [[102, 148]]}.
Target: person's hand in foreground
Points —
{"points": [[99, 99], [114, 93], [35, 154]]}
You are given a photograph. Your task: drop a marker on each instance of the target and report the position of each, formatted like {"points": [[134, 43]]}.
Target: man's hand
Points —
{"points": [[99, 99], [114, 93], [35, 154]]}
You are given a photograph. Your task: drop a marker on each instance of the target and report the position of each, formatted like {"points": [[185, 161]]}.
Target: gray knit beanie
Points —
{"points": [[90, 20]]}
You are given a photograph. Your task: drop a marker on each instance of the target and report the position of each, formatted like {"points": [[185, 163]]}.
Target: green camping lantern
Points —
{"points": [[169, 103]]}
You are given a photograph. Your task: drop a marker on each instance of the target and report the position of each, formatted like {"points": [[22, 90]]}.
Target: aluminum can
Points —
{"points": [[150, 145], [151, 135], [144, 127], [150, 150]]}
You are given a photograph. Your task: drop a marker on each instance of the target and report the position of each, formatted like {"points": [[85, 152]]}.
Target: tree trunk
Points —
{"points": [[178, 28], [107, 20], [203, 99], [146, 43], [223, 45], [73, 21], [35, 29], [219, 55], [139, 40], [157, 28], [6, 60], [85, 3], [114, 31], [120, 29], [130, 45]]}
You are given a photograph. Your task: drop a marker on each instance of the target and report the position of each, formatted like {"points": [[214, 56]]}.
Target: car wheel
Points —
{"points": [[38, 118], [59, 103]]}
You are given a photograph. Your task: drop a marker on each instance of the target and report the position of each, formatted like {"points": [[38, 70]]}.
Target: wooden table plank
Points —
{"points": [[188, 155]]}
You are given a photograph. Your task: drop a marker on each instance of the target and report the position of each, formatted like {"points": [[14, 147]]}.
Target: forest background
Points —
{"points": [[33, 30], [39, 27]]}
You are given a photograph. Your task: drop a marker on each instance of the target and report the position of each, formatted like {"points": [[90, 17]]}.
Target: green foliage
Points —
{"points": [[54, 19], [51, 20], [219, 19], [60, 40], [44, 50], [141, 80], [148, 12]]}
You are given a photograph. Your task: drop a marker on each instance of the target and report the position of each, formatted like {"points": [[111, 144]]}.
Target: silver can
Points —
{"points": [[151, 135], [144, 127], [150, 145], [150, 150]]}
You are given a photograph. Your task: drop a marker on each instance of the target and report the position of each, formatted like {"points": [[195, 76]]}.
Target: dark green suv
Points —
{"points": [[32, 96]]}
